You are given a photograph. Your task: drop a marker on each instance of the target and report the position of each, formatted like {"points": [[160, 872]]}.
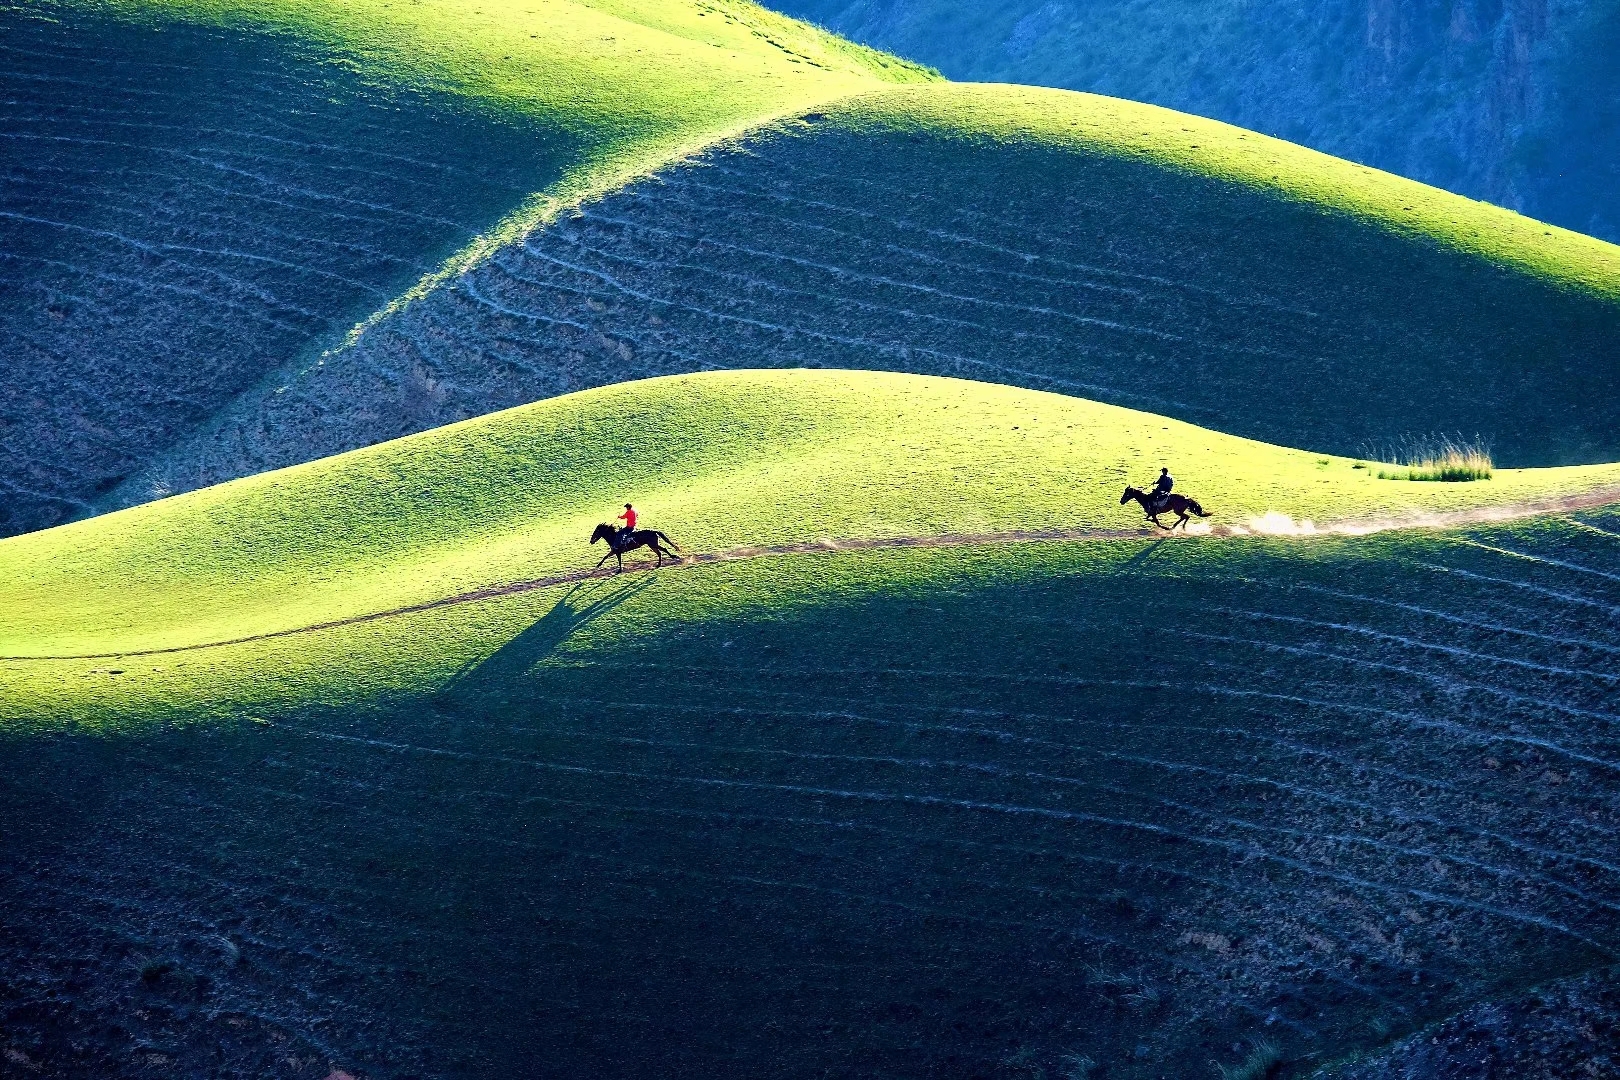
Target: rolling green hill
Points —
{"points": [[1038, 238], [1509, 102], [727, 460], [1049, 790], [198, 193], [930, 758], [250, 234]]}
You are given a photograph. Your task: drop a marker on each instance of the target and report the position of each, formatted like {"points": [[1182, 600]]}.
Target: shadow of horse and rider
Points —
{"points": [[494, 675]]}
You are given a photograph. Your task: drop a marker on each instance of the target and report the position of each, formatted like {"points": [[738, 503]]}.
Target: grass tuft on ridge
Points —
{"points": [[1439, 457]]}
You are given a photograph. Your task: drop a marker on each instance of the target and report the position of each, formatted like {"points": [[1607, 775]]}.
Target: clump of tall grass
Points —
{"points": [[1449, 458], [1264, 1062]]}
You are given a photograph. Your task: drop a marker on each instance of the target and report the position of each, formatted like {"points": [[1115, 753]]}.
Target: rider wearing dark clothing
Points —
{"points": [[1161, 487]]}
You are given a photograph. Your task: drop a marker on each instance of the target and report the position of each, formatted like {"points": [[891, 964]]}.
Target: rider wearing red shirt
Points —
{"points": [[629, 518]]}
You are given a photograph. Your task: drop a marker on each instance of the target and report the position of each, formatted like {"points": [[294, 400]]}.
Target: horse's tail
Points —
{"points": [[673, 545], [1192, 504]]}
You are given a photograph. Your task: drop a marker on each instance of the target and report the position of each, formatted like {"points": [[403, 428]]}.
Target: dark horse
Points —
{"points": [[622, 540], [1173, 503]]}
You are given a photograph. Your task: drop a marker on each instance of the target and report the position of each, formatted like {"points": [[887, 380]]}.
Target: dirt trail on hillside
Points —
{"points": [[1272, 524]]}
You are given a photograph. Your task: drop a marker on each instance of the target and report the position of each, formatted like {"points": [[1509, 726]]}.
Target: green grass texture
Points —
{"points": [[631, 83], [719, 461], [984, 806], [1175, 140], [205, 192], [1127, 775], [1036, 238], [1299, 299], [641, 83]]}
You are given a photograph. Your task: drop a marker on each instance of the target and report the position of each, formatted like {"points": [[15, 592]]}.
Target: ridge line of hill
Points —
{"points": [[594, 180], [577, 186], [279, 171], [629, 268], [1270, 526]]}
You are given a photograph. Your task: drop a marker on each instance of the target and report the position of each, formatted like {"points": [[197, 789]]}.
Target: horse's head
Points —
{"points": [[602, 533], [1130, 493]]}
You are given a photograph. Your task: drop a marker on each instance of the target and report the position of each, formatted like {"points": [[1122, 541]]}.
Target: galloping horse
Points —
{"points": [[621, 541], [1176, 504]]}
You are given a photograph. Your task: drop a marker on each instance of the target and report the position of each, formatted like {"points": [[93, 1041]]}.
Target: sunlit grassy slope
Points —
{"points": [[994, 809], [197, 194], [221, 192], [635, 82], [974, 810], [999, 802], [1113, 127], [1038, 238], [717, 461], [618, 72]]}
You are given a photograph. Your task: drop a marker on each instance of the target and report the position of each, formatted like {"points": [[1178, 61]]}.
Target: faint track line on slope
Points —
{"points": [[1448, 726], [990, 806], [1418, 643], [786, 330], [849, 708], [1001, 225], [1543, 559], [1493, 627], [1479, 515], [1013, 773]]}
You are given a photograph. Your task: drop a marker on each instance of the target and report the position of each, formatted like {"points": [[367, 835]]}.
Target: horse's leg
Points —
{"points": [[620, 556], [1183, 520], [603, 559]]}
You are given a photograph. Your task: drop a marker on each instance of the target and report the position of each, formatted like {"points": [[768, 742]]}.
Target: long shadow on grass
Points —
{"points": [[481, 681], [1141, 558]]}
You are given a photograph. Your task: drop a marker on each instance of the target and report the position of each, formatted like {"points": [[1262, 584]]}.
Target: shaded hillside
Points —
{"points": [[935, 820], [1556, 1031], [1030, 237], [186, 208], [993, 809], [196, 195], [184, 280], [1514, 101]]}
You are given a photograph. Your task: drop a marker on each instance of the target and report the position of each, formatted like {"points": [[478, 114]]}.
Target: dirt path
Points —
{"points": [[1269, 525]]}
